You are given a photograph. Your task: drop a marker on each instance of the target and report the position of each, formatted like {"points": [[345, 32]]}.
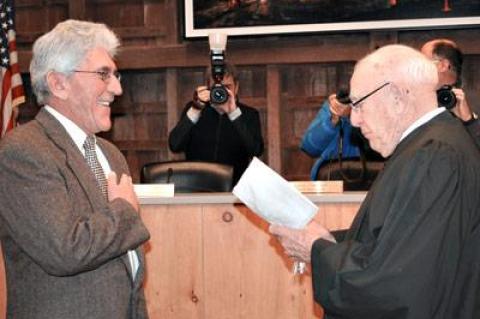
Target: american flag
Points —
{"points": [[12, 93]]}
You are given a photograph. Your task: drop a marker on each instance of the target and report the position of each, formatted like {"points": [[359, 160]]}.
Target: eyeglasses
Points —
{"points": [[355, 105], [105, 75]]}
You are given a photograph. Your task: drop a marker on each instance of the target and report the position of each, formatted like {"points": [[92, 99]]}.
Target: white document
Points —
{"points": [[271, 197], [154, 190]]}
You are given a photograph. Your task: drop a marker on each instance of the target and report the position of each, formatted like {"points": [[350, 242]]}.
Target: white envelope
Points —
{"points": [[271, 197]]}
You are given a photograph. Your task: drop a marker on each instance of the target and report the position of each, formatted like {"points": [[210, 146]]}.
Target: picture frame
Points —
{"points": [[268, 17]]}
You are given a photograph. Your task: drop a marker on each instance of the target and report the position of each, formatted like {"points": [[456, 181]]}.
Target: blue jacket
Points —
{"points": [[321, 139]]}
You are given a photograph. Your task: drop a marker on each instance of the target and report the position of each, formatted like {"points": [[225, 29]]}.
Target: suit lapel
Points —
{"points": [[77, 164], [74, 158]]}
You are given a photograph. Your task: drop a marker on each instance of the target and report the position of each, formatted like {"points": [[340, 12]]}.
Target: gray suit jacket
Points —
{"points": [[64, 245]]}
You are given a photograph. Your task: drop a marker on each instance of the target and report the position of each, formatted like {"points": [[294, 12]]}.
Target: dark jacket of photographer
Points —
{"points": [[217, 138]]}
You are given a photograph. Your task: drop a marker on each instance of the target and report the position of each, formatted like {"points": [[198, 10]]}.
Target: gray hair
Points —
{"points": [[64, 48], [403, 65]]}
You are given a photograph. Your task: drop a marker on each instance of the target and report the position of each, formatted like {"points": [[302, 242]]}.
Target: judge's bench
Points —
{"points": [[210, 257]]}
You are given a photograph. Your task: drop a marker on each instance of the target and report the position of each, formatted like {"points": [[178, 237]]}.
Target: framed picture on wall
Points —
{"points": [[259, 17]]}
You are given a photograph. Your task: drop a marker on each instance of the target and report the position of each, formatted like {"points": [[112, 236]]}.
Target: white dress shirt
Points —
{"points": [[78, 136]]}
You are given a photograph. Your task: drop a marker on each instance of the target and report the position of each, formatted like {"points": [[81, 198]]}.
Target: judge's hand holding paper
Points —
{"points": [[287, 210]]}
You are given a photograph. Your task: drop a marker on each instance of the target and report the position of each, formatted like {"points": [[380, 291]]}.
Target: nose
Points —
{"points": [[114, 86], [356, 117]]}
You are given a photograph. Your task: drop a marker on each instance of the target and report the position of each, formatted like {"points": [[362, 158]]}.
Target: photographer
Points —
{"points": [[331, 137], [448, 59], [227, 133]]}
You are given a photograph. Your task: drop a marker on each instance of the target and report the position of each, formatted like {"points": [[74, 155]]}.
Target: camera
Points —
{"points": [[446, 97], [218, 92]]}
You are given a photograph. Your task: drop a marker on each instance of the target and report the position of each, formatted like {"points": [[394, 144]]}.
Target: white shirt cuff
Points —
{"points": [[193, 114], [234, 114]]}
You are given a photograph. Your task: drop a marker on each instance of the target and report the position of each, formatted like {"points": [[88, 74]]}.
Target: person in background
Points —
{"points": [[448, 58], [330, 136], [412, 249], [70, 226], [227, 133]]}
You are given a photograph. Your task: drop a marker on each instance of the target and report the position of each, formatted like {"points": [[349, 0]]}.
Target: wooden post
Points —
{"points": [[273, 119], [171, 95]]}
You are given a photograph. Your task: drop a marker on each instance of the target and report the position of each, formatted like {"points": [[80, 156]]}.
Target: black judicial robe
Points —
{"points": [[413, 250]]}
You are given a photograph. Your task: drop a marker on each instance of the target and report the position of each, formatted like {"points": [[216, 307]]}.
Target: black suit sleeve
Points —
{"points": [[474, 129], [179, 137], [248, 127]]}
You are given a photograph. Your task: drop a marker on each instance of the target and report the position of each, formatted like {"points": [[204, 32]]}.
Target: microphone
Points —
{"points": [[169, 174], [343, 96]]}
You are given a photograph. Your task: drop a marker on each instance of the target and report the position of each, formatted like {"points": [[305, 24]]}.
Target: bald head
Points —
{"points": [[409, 94]]}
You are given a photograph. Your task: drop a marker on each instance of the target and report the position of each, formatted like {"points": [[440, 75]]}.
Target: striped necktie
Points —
{"points": [[92, 161]]}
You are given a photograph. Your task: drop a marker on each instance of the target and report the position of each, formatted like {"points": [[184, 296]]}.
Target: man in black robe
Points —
{"points": [[412, 250]]}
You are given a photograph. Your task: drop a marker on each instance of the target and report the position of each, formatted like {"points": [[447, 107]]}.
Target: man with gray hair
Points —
{"points": [[70, 225], [412, 249]]}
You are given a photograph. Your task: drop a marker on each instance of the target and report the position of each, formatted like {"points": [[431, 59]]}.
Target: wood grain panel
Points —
{"points": [[117, 13], [273, 119], [77, 9], [245, 269], [175, 280]]}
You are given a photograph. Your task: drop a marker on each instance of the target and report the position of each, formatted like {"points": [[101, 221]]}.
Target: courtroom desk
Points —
{"points": [[210, 257]]}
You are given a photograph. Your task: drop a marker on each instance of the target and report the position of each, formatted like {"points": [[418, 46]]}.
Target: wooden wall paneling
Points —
{"points": [[132, 159], [33, 18], [243, 280], [172, 29], [137, 22], [29, 109], [77, 9], [274, 118], [344, 73], [172, 106], [305, 88], [188, 80], [381, 38], [467, 39], [175, 281], [180, 85], [124, 13], [263, 51], [471, 81], [140, 119], [253, 92]]}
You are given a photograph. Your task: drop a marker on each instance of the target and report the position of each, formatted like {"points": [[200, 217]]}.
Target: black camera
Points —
{"points": [[446, 97], [218, 92]]}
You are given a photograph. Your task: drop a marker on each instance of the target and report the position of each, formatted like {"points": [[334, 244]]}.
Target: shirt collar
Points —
{"points": [[422, 120], [76, 133]]}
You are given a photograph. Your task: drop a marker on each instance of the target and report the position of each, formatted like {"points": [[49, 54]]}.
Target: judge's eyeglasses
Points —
{"points": [[356, 105]]}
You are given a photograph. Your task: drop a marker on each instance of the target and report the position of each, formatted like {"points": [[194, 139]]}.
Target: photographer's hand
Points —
{"points": [[201, 97], [462, 110], [337, 109]]}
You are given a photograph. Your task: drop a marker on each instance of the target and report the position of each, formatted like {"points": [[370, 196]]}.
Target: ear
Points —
{"points": [[58, 85], [237, 86], [443, 65], [401, 97]]}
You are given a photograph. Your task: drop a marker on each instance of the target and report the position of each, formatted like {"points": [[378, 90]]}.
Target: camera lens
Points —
{"points": [[446, 97], [218, 94]]}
